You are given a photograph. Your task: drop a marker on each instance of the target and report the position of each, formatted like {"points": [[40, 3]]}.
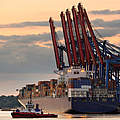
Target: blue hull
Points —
{"points": [[93, 107]]}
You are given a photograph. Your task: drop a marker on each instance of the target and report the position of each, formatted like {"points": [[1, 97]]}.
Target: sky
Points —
{"points": [[26, 52]]}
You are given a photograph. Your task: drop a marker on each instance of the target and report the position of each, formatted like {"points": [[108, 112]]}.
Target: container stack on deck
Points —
{"points": [[44, 88]]}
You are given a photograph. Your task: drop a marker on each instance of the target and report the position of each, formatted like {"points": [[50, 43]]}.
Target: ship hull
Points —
{"points": [[64, 104], [94, 107], [50, 104]]}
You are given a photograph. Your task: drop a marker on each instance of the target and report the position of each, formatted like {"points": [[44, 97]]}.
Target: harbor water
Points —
{"points": [[6, 115]]}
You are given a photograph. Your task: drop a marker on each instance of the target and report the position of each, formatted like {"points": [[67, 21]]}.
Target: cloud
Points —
{"points": [[108, 32], [110, 28], [108, 24], [26, 59], [44, 44], [105, 12], [27, 53], [26, 39], [30, 24]]}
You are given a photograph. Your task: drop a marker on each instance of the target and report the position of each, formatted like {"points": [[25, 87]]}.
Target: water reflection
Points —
{"points": [[95, 116], [6, 116]]}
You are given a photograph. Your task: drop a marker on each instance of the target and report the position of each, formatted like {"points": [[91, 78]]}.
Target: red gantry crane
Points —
{"points": [[84, 49]]}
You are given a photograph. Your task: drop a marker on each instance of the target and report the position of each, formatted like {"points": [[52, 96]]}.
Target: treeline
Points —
{"points": [[9, 102]]}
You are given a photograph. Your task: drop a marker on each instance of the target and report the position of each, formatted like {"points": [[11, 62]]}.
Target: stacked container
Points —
{"points": [[79, 87], [53, 84], [112, 84], [44, 88], [31, 89], [61, 88]]}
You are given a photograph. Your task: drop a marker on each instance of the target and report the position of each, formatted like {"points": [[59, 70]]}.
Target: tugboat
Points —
{"points": [[30, 112]]}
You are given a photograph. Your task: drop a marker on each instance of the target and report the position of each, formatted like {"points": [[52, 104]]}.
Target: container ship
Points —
{"points": [[88, 80]]}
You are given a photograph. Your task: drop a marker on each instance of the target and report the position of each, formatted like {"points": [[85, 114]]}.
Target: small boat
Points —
{"points": [[30, 112], [32, 115]]}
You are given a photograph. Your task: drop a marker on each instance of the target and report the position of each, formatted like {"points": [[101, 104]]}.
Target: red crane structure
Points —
{"points": [[84, 49], [81, 14], [79, 41], [69, 20], [55, 43], [67, 42], [93, 37]]}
